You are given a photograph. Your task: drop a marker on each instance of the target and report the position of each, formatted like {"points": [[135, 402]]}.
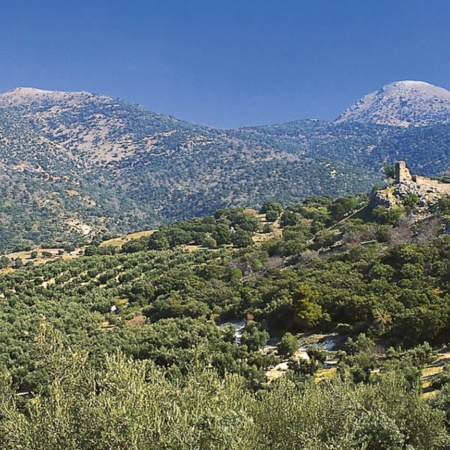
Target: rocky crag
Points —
{"points": [[424, 191]]}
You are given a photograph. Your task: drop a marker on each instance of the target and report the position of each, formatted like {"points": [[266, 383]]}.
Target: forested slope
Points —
{"points": [[132, 346], [76, 166]]}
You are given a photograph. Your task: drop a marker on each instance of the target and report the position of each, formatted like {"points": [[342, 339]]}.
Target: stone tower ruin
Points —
{"points": [[402, 172]]}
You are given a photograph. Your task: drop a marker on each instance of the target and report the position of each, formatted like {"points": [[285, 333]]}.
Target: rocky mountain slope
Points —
{"points": [[403, 103], [77, 165]]}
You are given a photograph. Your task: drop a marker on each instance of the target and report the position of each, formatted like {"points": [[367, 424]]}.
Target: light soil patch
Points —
{"points": [[26, 256], [136, 321], [326, 341], [431, 372], [259, 238], [119, 241]]}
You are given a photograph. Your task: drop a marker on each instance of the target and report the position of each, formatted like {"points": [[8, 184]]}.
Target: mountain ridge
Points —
{"points": [[115, 166], [371, 108]]}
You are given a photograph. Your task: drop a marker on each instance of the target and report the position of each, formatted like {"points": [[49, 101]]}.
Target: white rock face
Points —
{"points": [[403, 103]]}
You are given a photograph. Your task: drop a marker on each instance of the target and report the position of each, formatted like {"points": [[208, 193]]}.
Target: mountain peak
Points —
{"points": [[22, 95], [402, 103], [419, 87]]}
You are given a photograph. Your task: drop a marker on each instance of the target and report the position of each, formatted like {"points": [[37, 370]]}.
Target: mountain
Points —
{"points": [[89, 164], [77, 166], [403, 103]]}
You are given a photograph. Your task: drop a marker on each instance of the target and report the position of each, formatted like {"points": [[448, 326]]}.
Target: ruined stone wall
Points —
{"points": [[428, 191], [402, 175], [428, 183]]}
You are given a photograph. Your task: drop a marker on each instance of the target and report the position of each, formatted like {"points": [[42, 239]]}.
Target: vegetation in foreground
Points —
{"points": [[122, 348]]}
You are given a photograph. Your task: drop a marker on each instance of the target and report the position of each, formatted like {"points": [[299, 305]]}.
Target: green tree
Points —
{"points": [[241, 239], [253, 336], [289, 218], [271, 206], [411, 200], [288, 345], [4, 262], [389, 172], [271, 215], [307, 310]]}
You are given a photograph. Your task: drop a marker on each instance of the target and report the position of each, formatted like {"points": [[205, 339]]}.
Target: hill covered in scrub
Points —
{"points": [[134, 346], [78, 166]]}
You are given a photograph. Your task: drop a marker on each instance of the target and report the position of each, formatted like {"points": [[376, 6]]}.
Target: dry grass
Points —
{"points": [[277, 372], [136, 321], [21, 255], [26, 256], [116, 242], [325, 374], [192, 248], [428, 395], [139, 234], [119, 241], [106, 326], [430, 372], [259, 238]]}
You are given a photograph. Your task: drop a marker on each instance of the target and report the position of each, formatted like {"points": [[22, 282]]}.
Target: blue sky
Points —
{"points": [[225, 63]]}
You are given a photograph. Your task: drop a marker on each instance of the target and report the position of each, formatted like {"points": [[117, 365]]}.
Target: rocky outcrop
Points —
{"points": [[427, 191]]}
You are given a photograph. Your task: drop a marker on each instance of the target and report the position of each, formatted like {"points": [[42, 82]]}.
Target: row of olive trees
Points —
{"points": [[130, 404]]}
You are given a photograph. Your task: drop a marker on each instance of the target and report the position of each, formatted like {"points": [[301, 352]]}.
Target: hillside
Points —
{"points": [[403, 104], [137, 344], [79, 166]]}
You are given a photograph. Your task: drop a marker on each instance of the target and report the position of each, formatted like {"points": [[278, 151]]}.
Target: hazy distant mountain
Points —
{"points": [[403, 103], [75, 164]]}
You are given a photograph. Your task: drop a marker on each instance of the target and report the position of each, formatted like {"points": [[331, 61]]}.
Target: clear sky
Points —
{"points": [[225, 63]]}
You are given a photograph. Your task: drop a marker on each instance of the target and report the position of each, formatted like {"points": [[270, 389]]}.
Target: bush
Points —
{"points": [[241, 239], [317, 353], [271, 216], [288, 345], [253, 336], [411, 200], [289, 218], [271, 206], [210, 242]]}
